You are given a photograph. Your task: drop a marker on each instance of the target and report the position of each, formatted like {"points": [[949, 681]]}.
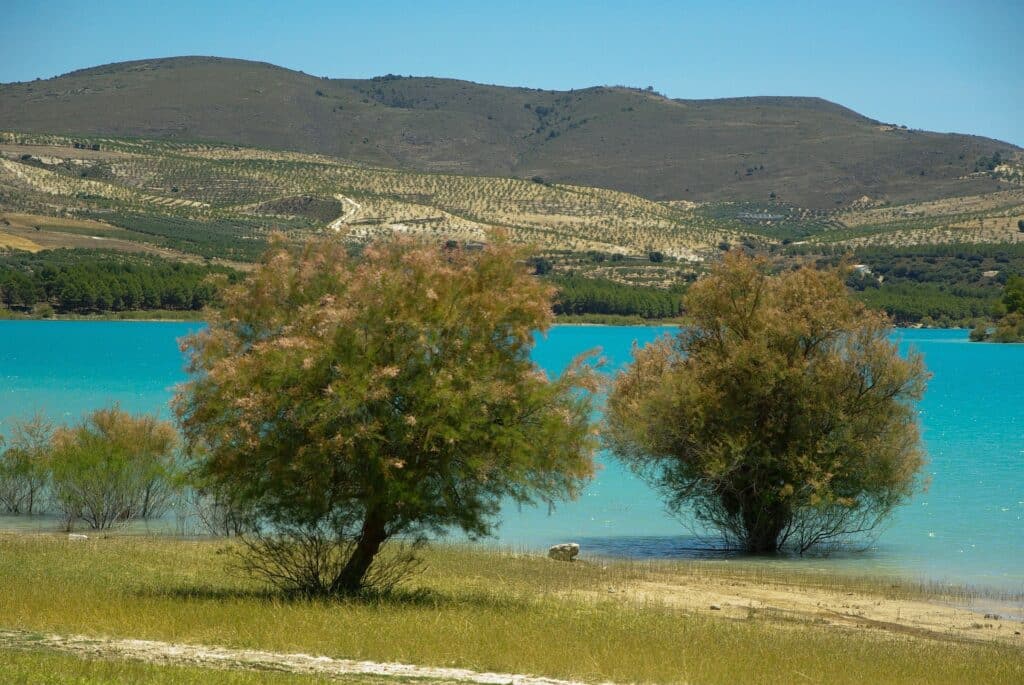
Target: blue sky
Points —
{"points": [[940, 65]]}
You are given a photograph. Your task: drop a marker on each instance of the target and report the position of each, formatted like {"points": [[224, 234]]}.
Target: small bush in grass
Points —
{"points": [[43, 310]]}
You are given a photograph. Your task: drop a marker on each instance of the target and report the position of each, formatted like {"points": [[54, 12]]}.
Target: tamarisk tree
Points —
{"points": [[782, 415], [113, 467], [340, 401], [24, 466]]}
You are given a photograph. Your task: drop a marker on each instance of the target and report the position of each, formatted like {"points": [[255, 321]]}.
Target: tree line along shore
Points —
{"points": [[927, 286]]}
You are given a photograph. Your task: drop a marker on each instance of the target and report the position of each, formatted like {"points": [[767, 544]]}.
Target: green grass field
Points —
{"points": [[468, 608]]}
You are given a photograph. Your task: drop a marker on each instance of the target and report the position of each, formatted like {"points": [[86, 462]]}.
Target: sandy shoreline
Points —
{"points": [[733, 596]]}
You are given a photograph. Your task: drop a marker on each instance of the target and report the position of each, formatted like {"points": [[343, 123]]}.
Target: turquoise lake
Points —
{"points": [[968, 527]]}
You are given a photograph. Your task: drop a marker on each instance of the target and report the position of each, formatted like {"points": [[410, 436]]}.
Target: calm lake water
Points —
{"points": [[968, 527]]}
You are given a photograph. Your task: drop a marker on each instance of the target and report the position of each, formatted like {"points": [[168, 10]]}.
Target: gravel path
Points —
{"points": [[152, 651]]}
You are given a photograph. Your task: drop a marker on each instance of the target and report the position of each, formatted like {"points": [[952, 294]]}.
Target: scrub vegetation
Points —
{"points": [[1008, 314], [109, 468]]}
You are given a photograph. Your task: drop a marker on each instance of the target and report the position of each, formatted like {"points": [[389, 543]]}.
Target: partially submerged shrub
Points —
{"points": [[113, 467], [214, 511], [782, 416], [24, 466]]}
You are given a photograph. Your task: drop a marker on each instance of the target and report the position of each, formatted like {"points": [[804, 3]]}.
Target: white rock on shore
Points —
{"points": [[564, 552]]}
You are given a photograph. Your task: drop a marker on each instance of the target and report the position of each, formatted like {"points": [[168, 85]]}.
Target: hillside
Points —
{"points": [[942, 260], [220, 201], [807, 151]]}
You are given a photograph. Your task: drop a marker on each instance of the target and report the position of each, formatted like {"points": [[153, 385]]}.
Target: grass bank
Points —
{"points": [[483, 610]]}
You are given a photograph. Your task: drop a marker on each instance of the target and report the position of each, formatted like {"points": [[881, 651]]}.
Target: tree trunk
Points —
{"points": [[763, 540], [371, 537], [763, 526]]}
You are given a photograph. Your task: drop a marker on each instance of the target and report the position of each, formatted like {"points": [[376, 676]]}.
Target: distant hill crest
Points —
{"points": [[803, 150]]}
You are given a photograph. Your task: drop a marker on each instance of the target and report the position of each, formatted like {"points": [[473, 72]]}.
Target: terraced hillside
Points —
{"points": [[220, 201], [991, 218], [803, 151]]}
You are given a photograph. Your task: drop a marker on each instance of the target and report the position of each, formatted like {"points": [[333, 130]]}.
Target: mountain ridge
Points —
{"points": [[802, 149]]}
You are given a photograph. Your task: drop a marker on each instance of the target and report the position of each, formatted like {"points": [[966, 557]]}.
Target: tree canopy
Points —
{"points": [[113, 466], [782, 415], [1010, 326], [1008, 315], [1013, 295], [341, 401], [84, 281], [578, 295]]}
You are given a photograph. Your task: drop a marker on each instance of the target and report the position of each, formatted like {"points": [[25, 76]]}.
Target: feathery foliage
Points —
{"points": [[25, 467], [782, 416], [342, 401]]}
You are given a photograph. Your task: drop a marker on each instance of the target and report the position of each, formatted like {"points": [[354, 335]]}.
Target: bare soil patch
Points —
{"points": [[152, 651], [60, 151], [999, 622]]}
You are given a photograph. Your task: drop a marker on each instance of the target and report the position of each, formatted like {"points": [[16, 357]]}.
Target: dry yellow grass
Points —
{"points": [[19, 220], [10, 241]]}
